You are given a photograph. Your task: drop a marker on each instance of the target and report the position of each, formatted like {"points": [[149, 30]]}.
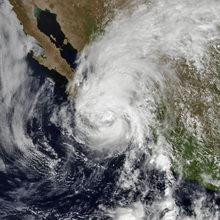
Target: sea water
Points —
{"points": [[139, 128]]}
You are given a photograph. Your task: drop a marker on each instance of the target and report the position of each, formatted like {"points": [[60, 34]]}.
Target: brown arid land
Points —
{"points": [[80, 20]]}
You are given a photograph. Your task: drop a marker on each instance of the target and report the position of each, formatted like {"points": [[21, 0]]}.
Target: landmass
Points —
{"points": [[72, 24], [80, 22]]}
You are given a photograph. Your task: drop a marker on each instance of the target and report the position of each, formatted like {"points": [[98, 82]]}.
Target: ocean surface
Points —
{"points": [[115, 150]]}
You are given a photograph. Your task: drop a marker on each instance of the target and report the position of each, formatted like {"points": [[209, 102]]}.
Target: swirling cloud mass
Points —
{"points": [[122, 76], [107, 151]]}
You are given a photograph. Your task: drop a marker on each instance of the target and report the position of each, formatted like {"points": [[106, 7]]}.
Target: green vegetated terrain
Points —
{"points": [[195, 152], [189, 119], [192, 157]]}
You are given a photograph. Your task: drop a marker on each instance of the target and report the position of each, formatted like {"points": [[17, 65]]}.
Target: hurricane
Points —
{"points": [[122, 75], [134, 135]]}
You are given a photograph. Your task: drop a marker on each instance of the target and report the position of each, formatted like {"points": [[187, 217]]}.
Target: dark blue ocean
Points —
{"points": [[45, 174]]}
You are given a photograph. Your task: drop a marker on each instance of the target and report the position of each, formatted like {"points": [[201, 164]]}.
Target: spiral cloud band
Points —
{"points": [[125, 72]]}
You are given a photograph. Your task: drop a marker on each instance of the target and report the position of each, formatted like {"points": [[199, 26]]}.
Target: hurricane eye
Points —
{"points": [[107, 118]]}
